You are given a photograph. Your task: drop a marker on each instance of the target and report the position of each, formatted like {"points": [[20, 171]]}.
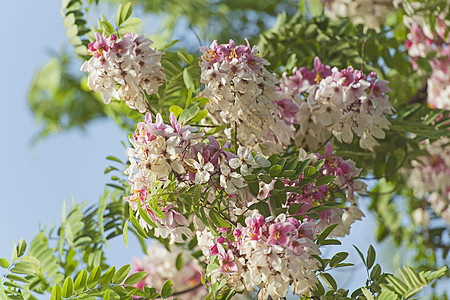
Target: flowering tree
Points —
{"points": [[245, 161]]}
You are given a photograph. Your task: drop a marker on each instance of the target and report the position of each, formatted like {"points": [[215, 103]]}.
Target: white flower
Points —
{"points": [[231, 181]]}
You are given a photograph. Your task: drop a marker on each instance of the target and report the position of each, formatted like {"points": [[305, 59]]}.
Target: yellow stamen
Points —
{"points": [[210, 55], [233, 54], [318, 77], [276, 235]]}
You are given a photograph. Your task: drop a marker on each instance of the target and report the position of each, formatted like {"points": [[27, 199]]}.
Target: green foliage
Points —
{"points": [[75, 24], [58, 99]]}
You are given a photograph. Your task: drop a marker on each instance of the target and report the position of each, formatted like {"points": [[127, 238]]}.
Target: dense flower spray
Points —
{"points": [[422, 41], [370, 13], [335, 102], [430, 177], [241, 91], [271, 254], [126, 68]]}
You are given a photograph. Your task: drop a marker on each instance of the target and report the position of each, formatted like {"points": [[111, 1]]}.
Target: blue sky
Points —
{"points": [[37, 178]]}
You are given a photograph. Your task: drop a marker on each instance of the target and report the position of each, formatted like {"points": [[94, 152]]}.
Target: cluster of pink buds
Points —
{"points": [[335, 102], [269, 253], [126, 68], [241, 92]]}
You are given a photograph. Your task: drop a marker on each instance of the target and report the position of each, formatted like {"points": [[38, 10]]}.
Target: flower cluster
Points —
{"points": [[160, 150], [370, 13], [124, 68], [271, 254], [241, 91], [438, 83], [430, 177], [335, 102], [344, 172], [160, 265], [422, 40]]}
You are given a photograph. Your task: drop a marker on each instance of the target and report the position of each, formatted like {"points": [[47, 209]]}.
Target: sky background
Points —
{"points": [[37, 178]]}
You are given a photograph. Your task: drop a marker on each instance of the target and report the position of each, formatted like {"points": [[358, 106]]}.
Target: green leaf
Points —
{"points": [[4, 263], [330, 242], [107, 295], [217, 219], [107, 276], [80, 281], [294, 208], [367, 293], [176, 110], [67, 288], [125, 233], [138, 227], [360, 255], [376, 272], [337, 258], [144, 215], [325, 233], [399, 287], [370, 257], [56, 292], [185, 57], [424, 64], [131, 25], [388, 295], [14, 255], [188, 113], [121, 274], [123, 13], [254, 187], [167, 290], [113, 158], [21, 247], [135, 278], [275, 170], [188, 82], [94, 276], [179, 262], [23, 268], [329, 281], [324, 180], [118, 15], [200, 116]]}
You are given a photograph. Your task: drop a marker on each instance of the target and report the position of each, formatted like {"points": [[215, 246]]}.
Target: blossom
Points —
{"points": [[278, 233], [160, 265], [268, 253], [370, 13], [129, 63], [241, 93], [430, 177], [343, 103]]}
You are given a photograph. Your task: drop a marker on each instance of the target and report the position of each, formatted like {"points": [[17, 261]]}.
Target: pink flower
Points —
{"points": [[287, 110], [227, 264], [254, 227], [279, 233]]}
